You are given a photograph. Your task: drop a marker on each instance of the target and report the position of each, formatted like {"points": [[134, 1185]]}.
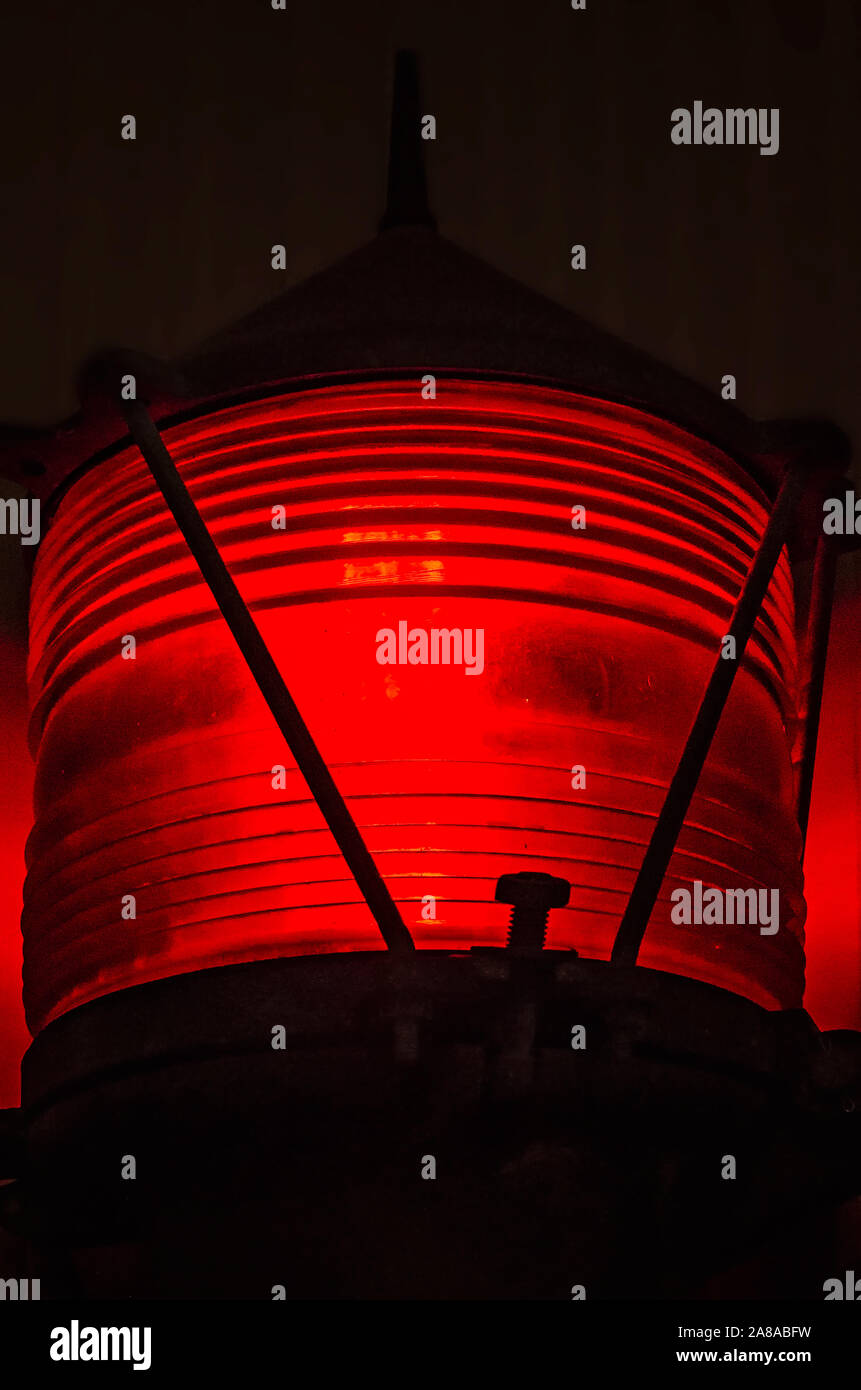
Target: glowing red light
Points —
{"points": [[155, 775]]}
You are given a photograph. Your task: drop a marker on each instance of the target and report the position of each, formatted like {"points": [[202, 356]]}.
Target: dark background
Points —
{"points": [[257, 126]]}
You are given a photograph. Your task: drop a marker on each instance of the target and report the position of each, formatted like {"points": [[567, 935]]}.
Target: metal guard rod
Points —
{"points": [[269, 680], [818, 627], [680, 792]]}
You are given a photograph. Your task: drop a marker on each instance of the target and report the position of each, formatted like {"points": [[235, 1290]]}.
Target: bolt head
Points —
{"points": [[528, 889]]}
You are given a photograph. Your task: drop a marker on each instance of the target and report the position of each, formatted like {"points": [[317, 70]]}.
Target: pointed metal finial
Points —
{"points": [[407, 201]]}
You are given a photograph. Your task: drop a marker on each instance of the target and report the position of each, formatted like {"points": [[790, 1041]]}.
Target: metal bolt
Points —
{"points": [[531, 895]]}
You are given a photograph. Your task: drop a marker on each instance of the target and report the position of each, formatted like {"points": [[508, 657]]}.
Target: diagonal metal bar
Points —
{"points": [[268, 677], [816, 654], [680, 792]]}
